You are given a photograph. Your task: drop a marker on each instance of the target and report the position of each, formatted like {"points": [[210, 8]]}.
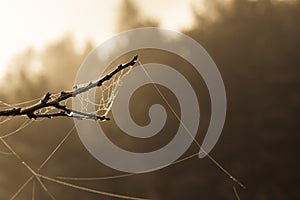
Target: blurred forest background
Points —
{"points": [[255, 45]]}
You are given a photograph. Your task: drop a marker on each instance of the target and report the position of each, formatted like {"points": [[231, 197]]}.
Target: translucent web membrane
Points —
{"points": [[106, 92]]}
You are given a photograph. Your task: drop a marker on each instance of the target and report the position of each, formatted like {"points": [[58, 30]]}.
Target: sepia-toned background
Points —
{"points": [[255, 44]]}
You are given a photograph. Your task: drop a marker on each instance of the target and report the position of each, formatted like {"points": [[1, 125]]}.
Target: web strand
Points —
{"points": [[196, 142], [108, 93], [121, 175], [18, 104], [26, 166], [119, 196], [39, 176], [44, 162], [33, 190], [6, 153], [26, 123], [57, 148], [5, 120], [236, 193]]}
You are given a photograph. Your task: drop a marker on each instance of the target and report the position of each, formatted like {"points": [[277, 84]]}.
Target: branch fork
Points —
{"points": [[33, 111]]}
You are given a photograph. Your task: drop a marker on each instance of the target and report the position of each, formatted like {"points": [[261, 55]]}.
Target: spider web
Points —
{"points": [[107, 94], [37, 177]]}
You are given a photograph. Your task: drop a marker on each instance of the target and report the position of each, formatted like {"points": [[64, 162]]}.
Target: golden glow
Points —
{"points": [[177, 16], [36, 23], [2, 71]]}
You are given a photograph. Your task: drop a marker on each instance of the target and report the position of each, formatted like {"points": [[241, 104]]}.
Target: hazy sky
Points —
{"points": [[36, 23]]}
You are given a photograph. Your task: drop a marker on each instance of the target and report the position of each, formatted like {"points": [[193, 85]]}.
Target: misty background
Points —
{"points": [[255, 45]]}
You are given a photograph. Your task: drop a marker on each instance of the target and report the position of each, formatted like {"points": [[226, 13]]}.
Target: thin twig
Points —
{"points": [[32, 112]]}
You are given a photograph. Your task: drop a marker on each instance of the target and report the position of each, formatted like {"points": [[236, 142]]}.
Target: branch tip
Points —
{"points": [[46, 98]]}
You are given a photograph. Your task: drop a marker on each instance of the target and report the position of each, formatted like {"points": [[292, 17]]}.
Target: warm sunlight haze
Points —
{"points": [[49, 20], [152, 99]]}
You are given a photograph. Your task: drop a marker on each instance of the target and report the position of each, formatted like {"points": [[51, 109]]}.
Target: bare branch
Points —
{"points": [[32, 111]]}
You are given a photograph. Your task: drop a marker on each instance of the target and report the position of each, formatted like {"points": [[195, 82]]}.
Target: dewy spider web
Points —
{"points": [[108, 92]]}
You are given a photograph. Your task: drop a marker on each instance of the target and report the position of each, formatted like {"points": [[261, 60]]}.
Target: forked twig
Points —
{"points": [[63, 110]]}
